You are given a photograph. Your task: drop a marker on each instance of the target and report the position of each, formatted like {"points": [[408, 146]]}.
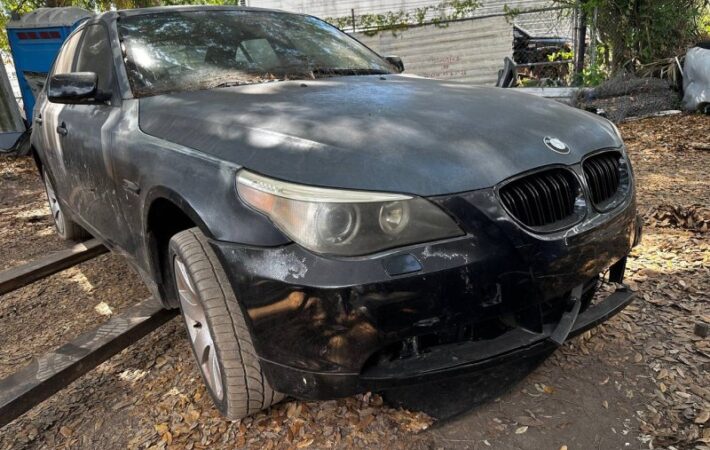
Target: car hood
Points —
{"points": [[394, 133]]}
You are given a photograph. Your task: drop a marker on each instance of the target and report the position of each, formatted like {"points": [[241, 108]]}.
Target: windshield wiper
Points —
{"points": [[240, 82], [224, 84], [348, 71]]}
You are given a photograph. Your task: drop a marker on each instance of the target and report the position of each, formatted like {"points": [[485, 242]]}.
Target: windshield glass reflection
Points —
{"points": [[192, 50]]}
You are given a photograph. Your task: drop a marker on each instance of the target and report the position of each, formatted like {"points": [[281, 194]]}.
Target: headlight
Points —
{"points": [[342, 222]]}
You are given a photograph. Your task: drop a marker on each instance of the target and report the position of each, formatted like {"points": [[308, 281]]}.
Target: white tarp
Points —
{"points": [[696, 79], [12, 77]]}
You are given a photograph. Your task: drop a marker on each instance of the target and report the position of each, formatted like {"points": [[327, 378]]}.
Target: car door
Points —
{"points": [[46, 123], [87, 134]]}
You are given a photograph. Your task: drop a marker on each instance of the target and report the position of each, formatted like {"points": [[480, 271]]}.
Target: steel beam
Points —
{"points": [[23, 275], [46, 375]]}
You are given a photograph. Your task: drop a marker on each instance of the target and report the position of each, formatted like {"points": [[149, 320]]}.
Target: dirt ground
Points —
{"points": [[642, 380]]}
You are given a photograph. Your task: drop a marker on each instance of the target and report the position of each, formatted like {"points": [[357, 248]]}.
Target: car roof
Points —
{"points": [[187, 8], [111, 16]]}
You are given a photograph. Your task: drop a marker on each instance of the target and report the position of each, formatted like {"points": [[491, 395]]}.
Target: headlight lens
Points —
{"points": [[343, 222]]}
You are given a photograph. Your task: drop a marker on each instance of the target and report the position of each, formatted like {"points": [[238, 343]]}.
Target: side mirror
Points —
{"points": [[396, 61], [77, 87]]}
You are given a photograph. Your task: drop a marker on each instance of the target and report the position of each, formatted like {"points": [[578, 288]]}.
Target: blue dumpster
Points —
{"points": [[35, 39]]}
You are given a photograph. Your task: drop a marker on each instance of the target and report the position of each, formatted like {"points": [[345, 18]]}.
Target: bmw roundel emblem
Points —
{"points": [[556, 145]]}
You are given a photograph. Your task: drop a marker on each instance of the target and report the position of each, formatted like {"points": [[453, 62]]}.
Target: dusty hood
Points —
{"points": [[393, 133]]}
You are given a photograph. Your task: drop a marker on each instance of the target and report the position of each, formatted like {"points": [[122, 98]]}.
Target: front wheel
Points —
{"points": [[217, 330], [66, 228]]}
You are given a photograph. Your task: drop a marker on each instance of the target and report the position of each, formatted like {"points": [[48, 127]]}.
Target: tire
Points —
{"points": [[66, 228], [217, 330]]}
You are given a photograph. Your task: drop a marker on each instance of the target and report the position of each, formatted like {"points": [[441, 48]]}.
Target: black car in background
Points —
{"points": [[326, 224]]}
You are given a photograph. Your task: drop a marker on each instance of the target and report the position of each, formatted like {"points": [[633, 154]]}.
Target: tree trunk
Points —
{"points": [[55, 3], [581, 42]]}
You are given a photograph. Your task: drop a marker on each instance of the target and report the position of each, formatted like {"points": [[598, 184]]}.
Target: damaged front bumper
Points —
{"points": [[455, 359], [326, 327], [443, 361]]}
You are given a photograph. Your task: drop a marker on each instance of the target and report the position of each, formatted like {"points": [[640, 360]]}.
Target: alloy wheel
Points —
{"points": [[198, 329]]}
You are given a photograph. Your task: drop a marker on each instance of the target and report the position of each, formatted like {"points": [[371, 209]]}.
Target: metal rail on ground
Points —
{"points": [[53, 371], [17, 277]]}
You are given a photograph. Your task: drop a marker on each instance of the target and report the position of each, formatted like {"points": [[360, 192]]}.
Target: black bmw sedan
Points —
{"points": [[327, 224]]}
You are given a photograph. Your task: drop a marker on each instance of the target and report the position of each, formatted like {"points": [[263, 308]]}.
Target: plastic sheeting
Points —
{"points": [[696, 78]]}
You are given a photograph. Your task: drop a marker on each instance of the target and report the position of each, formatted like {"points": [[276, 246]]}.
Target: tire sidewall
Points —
{"points": [[47, 178], [220, 403]]}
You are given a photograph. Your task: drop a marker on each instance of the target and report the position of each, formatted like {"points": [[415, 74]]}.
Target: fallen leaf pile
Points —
{"points": [[693, 217], [671, 272]]}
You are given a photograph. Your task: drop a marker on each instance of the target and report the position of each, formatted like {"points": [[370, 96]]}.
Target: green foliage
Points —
{"points": [[594, 75], [511, 13], [642, 31], [25, 6], [597, 71], [561, 55], [440, 14], [705, 23], [22, 6]]}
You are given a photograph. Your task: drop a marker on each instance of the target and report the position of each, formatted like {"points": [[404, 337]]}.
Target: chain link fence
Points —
{"points": [[544, 46]]}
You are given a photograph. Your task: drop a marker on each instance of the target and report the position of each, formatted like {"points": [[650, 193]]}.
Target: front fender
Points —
{"points": [[203, 187]]}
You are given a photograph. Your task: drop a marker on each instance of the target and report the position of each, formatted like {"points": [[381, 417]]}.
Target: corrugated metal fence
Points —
{"points": [[469, 50], [548, 23]]}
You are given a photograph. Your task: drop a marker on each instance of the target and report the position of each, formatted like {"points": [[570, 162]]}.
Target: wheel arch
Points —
{"points": [[165, 214]]}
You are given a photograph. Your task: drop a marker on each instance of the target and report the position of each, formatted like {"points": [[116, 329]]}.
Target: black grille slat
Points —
{"points": [[600, 180], [607, 181], [591, 171], [603, 176], [546, 199], [558, 200], [538, 207], [542, 198], [614, 175], [568, 191]]}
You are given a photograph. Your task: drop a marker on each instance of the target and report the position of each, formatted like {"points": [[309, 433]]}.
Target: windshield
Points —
{"points": [[191, 50]]}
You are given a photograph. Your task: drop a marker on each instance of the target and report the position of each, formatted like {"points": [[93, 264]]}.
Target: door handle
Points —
{"points": [[62, 129], [38, 120]]}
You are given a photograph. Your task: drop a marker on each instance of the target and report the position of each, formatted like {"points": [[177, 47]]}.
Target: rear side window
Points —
{"points": [[66, 56], [95, 56]]}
